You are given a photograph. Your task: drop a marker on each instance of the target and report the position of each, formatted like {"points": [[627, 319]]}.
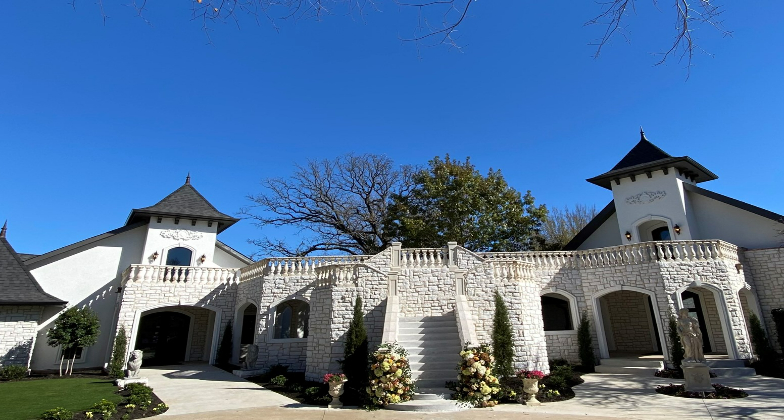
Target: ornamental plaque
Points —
{"points": [[645, 197], [181, 235]]}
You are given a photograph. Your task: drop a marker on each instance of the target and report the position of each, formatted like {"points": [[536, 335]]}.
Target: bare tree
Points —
{"points": [[688, 16], [562, 225], [339, 204]]}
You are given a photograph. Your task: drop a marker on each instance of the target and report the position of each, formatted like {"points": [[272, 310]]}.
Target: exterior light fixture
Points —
{"points": [[203, 258], [154, 256], [677, 229], [628, 236]]}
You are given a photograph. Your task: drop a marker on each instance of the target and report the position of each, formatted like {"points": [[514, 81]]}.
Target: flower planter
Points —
{"points": [[531, 387], [336, 390]]}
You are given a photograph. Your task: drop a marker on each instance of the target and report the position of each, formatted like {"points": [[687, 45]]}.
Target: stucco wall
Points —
{"points": [[606, 235], [18, 325], [746, 229]]}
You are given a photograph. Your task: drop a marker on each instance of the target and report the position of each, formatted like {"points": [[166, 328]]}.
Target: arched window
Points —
{"points": [[661, 234], [179, 256], [291, 319], [556, 313]]}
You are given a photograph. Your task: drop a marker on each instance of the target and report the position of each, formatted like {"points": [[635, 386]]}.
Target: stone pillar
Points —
{"points": [[530, 341]]}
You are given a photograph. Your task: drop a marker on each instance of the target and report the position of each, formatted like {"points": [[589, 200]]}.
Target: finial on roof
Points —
{"points": [[188, 179], [5, 228], [642, 134]]}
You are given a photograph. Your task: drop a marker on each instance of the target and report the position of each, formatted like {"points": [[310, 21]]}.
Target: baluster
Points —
{"points": [[439, 258]]}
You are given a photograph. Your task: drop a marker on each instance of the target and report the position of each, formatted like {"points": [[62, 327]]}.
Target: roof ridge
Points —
{"points": [[27, 272]]}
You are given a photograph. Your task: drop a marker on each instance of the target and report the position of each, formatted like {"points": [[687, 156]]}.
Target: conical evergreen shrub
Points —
{"points": [[117, 365], [355, 358], [759, 339], [676, 348], [585, 341], [503, 347]]}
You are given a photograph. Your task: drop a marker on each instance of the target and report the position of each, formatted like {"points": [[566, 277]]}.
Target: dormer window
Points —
{"points": [[179, 256]]}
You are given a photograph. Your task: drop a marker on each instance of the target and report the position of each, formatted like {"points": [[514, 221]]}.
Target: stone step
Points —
{"points": [[429, 336], [726, 363], [445, 346], [735, 372], [428, 406], [439, 363], [442, 350], [444, 374], [433, 383], [426, 329], [427, 324], [618, 362], [433, 318], [433, 394], [627, 370]]}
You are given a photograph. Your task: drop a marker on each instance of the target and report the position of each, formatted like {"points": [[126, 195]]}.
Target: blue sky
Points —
{"points": [[98, 119]]}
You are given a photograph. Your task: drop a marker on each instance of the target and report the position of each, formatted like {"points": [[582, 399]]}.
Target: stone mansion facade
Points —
{"points": [[661, 244]]}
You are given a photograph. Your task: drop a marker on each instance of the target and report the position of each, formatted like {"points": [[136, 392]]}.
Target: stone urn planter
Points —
{"points": [[531, 387], [336, 390]]}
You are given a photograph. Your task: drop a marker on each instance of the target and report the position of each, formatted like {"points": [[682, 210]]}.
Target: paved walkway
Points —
{"points": [[205, 392]]}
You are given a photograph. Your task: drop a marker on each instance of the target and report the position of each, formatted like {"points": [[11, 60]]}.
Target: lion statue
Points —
{"points": [[134, 364]]}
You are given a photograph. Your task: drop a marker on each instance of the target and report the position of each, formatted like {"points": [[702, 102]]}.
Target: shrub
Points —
{"points": [[105, 408], [141, 396], [58, 413], [74, 328], [224, 351], [355, 358], [279, 380], [676, 348], [12, 372], [558, 362], [778, 318], [585, 341], [275, 370], [117, 365], [390, 377], [317, 395], [759, 340], [476, 383], [503, 349], [560, 377]]}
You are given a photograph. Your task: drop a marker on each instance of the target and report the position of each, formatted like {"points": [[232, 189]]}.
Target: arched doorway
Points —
{"points": [[627, 323], [248, 329], [703, 305], [163, 337]]}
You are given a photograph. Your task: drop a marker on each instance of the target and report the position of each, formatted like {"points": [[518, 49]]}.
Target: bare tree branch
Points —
{"points": [[337, 205]]}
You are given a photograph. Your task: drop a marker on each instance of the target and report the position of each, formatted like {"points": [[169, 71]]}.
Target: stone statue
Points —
{"points": [[691, 337], [251, 357], [134, 364]]}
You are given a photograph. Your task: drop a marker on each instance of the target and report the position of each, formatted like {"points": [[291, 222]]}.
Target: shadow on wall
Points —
{"points": [[18, 354]]}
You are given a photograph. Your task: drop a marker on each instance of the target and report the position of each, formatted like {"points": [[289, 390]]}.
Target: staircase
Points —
{"points": [[730, 368], [630, 366], [433, 346]]}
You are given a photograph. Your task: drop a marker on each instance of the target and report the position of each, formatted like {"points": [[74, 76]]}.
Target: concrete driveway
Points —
{"points": [[205, 392]]}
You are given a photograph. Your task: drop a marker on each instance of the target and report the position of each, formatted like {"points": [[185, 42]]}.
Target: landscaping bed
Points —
{"points": [[557, 386], [30, 397], [294, 386], [721, 392]]}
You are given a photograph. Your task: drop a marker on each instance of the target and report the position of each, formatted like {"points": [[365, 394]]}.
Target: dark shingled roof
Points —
{"points": [[184, 202], [17, 285], [645, 158]]}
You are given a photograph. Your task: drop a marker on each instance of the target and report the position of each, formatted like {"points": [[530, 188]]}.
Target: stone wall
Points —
{"points": [[629, 318], [18, 326], [713, 322], [426, 291], [563, 345], [766, 267]]}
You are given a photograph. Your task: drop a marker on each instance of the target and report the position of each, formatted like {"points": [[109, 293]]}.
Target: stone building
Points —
{"points": [[662, 243]]}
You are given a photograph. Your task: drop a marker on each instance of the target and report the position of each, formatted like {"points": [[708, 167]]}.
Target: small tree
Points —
{"points": [[355, 355], [503, 348], [73, 329], [778, 318], [116, 366], [759, 340], [224, 350], [587, 358], [676, 348]]}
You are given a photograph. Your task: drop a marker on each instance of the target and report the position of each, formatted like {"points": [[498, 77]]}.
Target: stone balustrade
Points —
{"points": [[644, 252], [512, 270], [296, 266], [178, 274], [423, 257], [332, 275]]}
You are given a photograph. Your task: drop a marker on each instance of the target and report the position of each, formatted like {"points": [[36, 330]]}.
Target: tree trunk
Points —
{"points": [[73, 360], [62, 357]]}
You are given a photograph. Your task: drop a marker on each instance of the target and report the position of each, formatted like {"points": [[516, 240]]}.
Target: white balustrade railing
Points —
{"points": [[178, 274], [512, 270], [423, 257], [296, 266], [333, 275], [639, 253]]}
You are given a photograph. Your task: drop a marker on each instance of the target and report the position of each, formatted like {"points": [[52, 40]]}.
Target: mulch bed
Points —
{"points": [[296, 388], [132, 413], [721, 392], [674, 374]]}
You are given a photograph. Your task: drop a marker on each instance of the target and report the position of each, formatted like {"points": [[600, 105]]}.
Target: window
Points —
{"points": [[661, 234], [291, 319], [179, 256], [248, 332], [556, 313]]}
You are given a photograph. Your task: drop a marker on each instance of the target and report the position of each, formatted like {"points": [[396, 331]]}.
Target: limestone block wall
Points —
{"points": [[426, 291], [628, 313], [713, 322], [140, 296], [201, 332], [562, 345], [17, 333], [766, 266]]}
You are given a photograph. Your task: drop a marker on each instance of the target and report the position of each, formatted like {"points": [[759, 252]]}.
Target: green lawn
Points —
{"points": [[28, 399]]}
